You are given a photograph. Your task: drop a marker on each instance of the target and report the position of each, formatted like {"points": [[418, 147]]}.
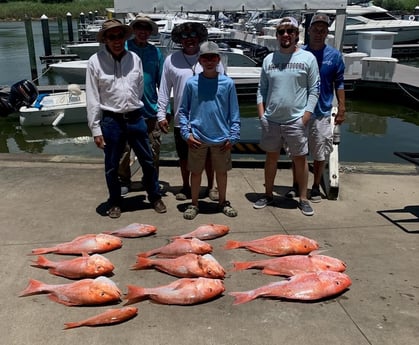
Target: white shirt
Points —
{"points": [[177, 69], [112, 85]]}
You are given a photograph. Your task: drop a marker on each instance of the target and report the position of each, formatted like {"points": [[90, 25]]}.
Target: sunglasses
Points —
{"points": [[143, 27], [112, 37], [185, 35], [282, 31]]}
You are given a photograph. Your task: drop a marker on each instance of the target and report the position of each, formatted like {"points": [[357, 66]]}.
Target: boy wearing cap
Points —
{"points": [[114, 88], [287, 94], [177, 69], [209, 121]]}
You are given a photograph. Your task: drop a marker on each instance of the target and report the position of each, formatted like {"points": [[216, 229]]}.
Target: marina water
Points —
{"points": [[373, 130]]}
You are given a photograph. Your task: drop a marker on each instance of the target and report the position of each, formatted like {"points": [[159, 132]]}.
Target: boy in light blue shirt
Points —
{"points": [[209, 120]]}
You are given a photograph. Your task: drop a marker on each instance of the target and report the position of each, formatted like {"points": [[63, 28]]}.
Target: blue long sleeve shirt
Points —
{"points": [[332, 68], [210, 110]]}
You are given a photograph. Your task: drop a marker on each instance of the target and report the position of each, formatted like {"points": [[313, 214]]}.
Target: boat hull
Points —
{"points": [[55, 109]]}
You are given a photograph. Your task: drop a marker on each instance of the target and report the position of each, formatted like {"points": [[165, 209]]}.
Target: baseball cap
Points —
{"points": [[320, 18], [288, 21], [209, 47]]}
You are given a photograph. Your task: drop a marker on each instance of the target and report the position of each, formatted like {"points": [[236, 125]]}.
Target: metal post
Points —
{"points": [[60, 31], [45, 35], [70, 27], [31, 49]]}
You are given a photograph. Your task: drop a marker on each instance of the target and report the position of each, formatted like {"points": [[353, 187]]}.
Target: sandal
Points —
{"points": [[226, 208], [114, 212], [191, 212]]}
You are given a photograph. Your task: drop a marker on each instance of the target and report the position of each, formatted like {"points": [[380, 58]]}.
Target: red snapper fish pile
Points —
{"points": [[199, 276], [311, 276], [186, 257]]}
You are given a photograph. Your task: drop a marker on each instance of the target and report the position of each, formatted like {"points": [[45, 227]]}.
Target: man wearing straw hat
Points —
{"points": [[115, 112], [152, 60]]}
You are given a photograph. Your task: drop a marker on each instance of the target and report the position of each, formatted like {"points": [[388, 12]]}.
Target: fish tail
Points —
{"points": [[239, 266], [135, 294], [232, 245], [34, 286], [41, 262], [242, 297], [69, 325], [141, 263]]}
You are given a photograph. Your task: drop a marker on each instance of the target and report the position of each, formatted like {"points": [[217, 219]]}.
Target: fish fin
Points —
{"points": [[41, 262], [39, 251], [55, 298], [134, 294], [271, 272], [69, 325], [317, 252], [239, 266], [106, 233], [34, 287], [142, 263], [232, 245], [241, 297]]}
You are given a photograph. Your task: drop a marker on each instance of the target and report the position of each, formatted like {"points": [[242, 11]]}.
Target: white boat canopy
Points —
{"points": [[147, 6]]}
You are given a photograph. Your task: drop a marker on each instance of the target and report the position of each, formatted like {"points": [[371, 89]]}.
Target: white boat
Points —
{"points": [[71, 71], [84, 50], [374, 18], [56, 108]]}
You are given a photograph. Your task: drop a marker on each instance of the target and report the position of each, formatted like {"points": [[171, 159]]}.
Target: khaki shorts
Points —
{"points": [[221, 160], [290, 136], [320, 137]]}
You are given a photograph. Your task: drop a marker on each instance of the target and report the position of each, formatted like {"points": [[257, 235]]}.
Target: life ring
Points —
{"points": [[412, 18]]}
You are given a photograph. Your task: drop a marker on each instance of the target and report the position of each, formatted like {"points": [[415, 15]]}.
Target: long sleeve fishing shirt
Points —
{"points": [[112, 85], [289, 85]]}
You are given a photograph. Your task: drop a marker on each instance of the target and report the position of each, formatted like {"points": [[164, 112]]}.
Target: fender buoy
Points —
{"points": [[412, 18]]}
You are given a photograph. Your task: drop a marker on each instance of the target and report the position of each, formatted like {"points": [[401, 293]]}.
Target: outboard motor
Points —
{"points": [[22, 93]]}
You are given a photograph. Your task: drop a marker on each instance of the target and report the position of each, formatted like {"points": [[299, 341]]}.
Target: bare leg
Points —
{"points": [[301, 174], [318, 168], [185, 172], [221, 178], [195, 186], [271, 166]]}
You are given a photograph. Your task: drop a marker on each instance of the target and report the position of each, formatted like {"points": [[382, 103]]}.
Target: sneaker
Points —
{"points": [[124, 190], [293, 192], [263, 202], [159, 206], [315, 195], [191, 212], [184, 194], [305, 208]]}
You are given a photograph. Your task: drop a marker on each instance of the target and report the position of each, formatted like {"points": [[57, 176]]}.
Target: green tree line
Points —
{"points": [[17, 9]]}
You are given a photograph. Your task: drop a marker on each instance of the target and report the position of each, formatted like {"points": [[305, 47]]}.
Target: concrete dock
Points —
{"points": [[373, 227]]}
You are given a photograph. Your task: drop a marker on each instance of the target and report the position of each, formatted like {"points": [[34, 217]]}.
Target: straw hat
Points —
{"points": [[200, 29], [110, 24], [141, 19]]}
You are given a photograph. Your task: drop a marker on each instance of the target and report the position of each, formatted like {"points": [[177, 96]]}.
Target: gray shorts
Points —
{"points": [[221, 160], [320, 137], [290, 136]]}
